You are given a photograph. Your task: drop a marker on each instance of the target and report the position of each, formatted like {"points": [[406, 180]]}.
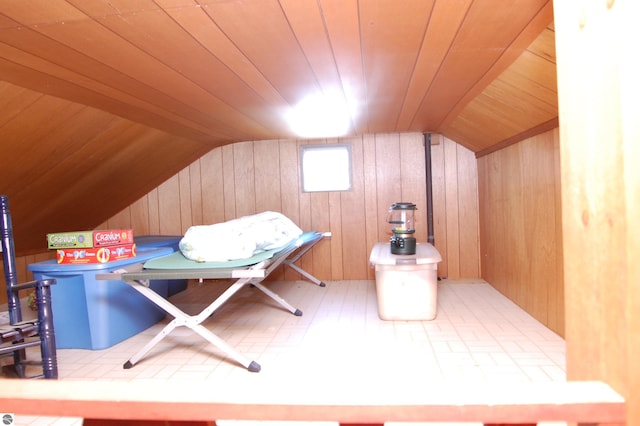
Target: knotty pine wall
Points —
{"points": [[249, 177], [521, 226]]}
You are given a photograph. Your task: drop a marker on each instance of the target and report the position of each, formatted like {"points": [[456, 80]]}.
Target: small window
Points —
{"points": [[325, 167]]}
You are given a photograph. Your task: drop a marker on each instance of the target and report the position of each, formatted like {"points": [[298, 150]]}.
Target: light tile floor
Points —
{"points": [[478, 335]]}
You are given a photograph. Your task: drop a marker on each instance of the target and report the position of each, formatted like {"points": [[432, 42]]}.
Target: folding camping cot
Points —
{"points": [[249, 271]]}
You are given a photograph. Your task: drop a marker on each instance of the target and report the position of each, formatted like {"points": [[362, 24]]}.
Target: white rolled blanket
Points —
{"points": [[238, 238]]}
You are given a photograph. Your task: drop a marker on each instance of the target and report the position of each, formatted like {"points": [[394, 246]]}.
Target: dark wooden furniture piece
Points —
{"points": [[20, 333]]}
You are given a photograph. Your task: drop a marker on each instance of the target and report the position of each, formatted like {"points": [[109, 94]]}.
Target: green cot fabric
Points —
{"points": [[177, 260]]}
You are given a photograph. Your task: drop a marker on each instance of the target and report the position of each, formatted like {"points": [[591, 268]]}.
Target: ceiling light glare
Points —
{"points": [[320, 115]]}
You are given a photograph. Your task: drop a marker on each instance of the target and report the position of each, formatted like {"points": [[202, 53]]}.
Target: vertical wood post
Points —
{"points": [[597, 44]]}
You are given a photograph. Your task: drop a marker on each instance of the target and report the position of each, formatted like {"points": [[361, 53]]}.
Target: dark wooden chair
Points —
{"points": [[21, 334]]}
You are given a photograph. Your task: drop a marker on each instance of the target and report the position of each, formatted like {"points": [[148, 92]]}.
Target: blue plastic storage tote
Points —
{"points": [[97, 314]]}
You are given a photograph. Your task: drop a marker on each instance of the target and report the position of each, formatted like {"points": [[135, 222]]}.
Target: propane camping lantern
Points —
{"points": [[400, 217]]}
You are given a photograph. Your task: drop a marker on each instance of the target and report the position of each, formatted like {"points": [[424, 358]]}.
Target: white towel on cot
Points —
{"points": [[238, 238]]}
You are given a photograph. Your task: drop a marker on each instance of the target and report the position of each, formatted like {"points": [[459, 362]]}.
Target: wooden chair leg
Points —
{"points": [[47, 336]]}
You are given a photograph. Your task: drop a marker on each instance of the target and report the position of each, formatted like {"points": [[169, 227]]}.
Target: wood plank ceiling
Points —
{"points": [[101, 100]]}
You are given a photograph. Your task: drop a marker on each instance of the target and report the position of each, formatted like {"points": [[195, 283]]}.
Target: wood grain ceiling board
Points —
{"points": [[522, 97], [233, 68], [33, 60], [188, 72], [14, 100], [445, 20], [30, 149], [545, 44], [260, 30], [77, 164], [40, 13], [533, 70], [485, 36], [144, 60], [307, 23], [498, 113], [100, 8], [156, 50], [343, 30], [46, 83], [392, 33], [210, 36]]}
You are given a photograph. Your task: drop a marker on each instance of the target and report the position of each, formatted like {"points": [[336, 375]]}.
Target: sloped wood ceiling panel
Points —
{"points": [[66, 164], [521, 98], [191, 75]]}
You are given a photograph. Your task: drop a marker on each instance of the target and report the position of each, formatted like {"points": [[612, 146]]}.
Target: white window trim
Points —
{"points": [[328, 170]]}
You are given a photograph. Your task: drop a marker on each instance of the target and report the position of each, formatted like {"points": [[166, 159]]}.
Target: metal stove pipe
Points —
{"points": [[427, 157]]}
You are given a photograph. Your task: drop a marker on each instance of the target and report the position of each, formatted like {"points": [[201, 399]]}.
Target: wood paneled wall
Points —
{"points": [[521, 227], [249, 177]]}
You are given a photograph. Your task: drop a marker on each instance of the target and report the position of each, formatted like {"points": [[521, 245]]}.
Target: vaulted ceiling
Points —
{"points": [[102, 100]]}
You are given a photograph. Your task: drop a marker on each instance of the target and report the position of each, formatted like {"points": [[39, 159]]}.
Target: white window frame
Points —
{"points": [[325, 167]]}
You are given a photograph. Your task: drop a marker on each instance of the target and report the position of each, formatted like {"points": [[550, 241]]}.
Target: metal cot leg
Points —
{"points": [[193, 322]]}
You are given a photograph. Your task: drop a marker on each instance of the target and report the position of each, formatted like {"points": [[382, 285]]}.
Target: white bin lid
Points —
{"points": [[425, 253]]}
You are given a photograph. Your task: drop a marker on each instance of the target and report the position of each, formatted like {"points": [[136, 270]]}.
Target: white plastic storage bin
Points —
{"points": [[406, 285]]}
